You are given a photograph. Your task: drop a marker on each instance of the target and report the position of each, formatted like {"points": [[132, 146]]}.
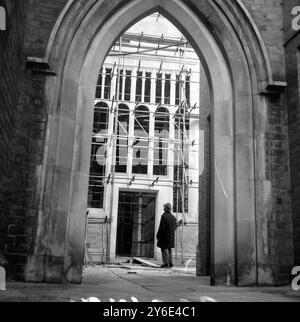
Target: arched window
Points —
{"points": [[141, 142], [98, 155], [122, 139], [107, 84], [162, 132], [181, 160]]}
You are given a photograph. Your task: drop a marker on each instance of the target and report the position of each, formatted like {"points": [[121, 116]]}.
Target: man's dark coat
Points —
{"points": [[166, 232]]}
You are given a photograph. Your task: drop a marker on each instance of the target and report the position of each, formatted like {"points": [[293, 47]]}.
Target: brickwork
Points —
{"points": [[28, 35], [292, 43], [280, 239], [267, 15], [11, 67]]}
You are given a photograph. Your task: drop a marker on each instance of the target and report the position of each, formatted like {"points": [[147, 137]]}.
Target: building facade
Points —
{"points": [[248, 225], [157, 76]]}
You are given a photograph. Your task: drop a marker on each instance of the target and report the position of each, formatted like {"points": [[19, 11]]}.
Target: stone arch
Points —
{"points": [[234, 73]]}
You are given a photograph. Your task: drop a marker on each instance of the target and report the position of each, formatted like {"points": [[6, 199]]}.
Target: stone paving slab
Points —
{"points": [[165, 285]]}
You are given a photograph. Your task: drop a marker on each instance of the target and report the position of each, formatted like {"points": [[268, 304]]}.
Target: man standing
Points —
{"points": [[166, 236]]}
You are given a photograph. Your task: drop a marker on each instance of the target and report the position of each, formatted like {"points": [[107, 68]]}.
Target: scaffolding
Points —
{"points": [[114, 141]]}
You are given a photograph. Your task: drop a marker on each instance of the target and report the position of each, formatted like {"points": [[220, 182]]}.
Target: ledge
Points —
{"points": [[39, 66], [273, 88]]}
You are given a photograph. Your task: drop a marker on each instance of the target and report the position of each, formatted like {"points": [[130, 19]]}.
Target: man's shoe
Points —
{"points": [[164, 266], [171, 265]]}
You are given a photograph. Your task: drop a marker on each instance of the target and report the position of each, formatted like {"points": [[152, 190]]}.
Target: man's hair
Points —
{"points": [[167, 207]]}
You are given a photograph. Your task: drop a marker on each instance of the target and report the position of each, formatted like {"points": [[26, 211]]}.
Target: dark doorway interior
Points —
{"points": [[136, 224]]}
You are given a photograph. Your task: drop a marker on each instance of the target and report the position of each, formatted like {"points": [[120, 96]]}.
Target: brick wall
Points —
{"points": [[267, 14], [292, 43], [11, 66], [25, 125], [280, 238]]}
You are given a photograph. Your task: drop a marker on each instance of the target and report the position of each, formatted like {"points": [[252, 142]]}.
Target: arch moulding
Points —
{"points": [[78, 45]]}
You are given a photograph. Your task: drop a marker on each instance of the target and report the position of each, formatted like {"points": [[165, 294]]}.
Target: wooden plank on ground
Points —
{"points": [[145, 262]]}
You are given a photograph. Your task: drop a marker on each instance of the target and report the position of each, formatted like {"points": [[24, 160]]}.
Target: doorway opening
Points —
{"points": [[147, 137], [136, 225], [220, 40]]}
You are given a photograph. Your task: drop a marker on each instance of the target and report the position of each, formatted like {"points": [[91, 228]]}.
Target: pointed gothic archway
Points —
{"points": [[237, 68]]}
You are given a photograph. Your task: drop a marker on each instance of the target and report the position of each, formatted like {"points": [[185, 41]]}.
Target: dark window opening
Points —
{"points": [[188, 90], [98, 156], [161, 150], [158, 88], [141, 142], [99, 86], [139, 85], [168, 89], [128, 85], [108, 79], [148, 88], [122, 139], [119, 87]]}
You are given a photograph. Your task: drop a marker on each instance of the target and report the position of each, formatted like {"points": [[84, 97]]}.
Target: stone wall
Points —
{"points": [[292, 43], [204, 244]]}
